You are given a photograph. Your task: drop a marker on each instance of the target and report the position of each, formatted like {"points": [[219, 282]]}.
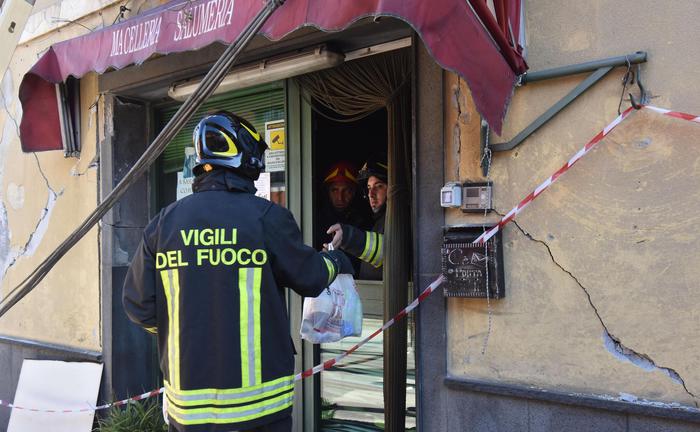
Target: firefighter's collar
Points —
{"points": [[223, 179]]}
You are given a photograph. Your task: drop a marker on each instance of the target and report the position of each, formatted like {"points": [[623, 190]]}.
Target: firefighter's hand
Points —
{"points": [[337, 232]]}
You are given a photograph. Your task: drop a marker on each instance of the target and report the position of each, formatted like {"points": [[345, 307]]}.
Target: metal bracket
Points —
{"points": [[643, 94], [599, 67]]}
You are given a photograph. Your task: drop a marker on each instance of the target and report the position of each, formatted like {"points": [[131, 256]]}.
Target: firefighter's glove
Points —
{"points": [[337, 232], [342, 262]]}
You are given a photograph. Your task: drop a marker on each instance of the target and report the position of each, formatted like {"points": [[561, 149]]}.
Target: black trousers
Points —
{"points": [[281, 425]]}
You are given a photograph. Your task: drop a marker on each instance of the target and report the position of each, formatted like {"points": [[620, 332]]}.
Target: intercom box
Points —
{"points": [[477, 197], [472, 270]]}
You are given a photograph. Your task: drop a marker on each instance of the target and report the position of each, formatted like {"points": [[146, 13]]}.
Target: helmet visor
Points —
{"points": [[219, 143]]}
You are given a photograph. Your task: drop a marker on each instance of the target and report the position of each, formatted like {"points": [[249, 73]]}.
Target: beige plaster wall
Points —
{"points": [[44, 196], [602, 270]]}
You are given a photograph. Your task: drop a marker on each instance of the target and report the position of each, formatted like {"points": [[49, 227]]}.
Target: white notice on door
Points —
{"points": [[262, 184], [184, 186]]}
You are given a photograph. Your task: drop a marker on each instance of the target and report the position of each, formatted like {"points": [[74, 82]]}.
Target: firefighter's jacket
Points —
{"points": [[208, 277], [368, 246]]}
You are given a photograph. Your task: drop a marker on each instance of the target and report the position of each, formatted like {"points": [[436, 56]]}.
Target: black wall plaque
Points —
{"points": [[464, 264]]}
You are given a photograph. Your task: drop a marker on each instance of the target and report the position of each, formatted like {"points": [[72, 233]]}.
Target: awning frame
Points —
{"points": [[600, 69]]}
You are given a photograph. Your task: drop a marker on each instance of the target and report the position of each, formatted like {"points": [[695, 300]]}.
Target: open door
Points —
{"points": [[351, 395]]}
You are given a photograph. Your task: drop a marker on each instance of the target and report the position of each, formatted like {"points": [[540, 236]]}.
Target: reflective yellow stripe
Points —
{"points": [[191, 416], [176, 289], [249, 280], [256, 314], [331, 270], [254, 134], [243, 290], [369, 241], [228, 397], [153, 330], [232, 149], [331, 175], [349, 175], [208, 392], [378, 255], [171, 286]]}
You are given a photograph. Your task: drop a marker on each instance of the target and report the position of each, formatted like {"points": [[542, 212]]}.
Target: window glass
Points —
{"points": [[263, 106]]}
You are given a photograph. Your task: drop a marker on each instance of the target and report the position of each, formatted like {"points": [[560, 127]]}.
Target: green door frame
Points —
{"points": [[300, 203]]}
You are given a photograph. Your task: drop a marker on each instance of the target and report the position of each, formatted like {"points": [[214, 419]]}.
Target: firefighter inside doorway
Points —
{"points": [[344, 204], [367, 245]]}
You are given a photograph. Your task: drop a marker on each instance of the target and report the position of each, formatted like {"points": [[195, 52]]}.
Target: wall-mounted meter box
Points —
{"points": [[477, 197], [451, 195], [472, 269]]}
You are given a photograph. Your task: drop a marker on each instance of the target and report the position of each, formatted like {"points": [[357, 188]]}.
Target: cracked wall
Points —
{"points": [[43, 197], [602, 269]]}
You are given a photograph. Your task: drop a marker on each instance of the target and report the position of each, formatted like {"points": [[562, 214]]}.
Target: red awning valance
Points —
{"points": [[463, 36]]}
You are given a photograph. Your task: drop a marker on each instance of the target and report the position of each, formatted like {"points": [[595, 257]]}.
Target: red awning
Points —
{"points": [[462, 36]]}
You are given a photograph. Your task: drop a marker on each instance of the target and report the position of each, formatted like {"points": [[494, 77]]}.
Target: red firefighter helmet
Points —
{"points": [[341, 172]]}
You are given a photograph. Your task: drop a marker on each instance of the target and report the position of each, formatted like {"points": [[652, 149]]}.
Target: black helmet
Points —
{"points": [[224, 139], [375, 166]]}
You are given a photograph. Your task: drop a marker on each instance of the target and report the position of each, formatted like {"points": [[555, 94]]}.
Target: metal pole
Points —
{"points": [[600, 68], [210, 82], [638, 57], [551, 112]]}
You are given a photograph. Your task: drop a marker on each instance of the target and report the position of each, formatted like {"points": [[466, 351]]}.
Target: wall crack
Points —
{"points": [[612, 343], [457, 132], [35, 237], [6, 100]]}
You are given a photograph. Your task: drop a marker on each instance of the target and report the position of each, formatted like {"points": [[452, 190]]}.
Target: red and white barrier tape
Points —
{"points": [[433, 286], [581, 153], [88, 409], [674, 114], [316, 369]]}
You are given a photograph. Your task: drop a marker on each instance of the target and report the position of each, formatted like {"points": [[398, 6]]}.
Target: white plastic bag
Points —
{"points": [[334, 314]]}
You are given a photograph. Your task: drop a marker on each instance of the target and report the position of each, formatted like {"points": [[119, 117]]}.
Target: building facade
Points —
{"points": [[596, 328]]}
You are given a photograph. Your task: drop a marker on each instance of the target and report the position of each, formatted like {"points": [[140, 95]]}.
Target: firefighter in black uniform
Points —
{"points": [[208, 278], [368, 246]]}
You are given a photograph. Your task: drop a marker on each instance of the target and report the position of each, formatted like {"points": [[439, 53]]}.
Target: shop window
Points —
{"points": [[69, 116], [263, 106]]}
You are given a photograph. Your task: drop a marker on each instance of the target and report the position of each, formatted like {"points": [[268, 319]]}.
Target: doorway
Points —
{"points": [[350, 394]]}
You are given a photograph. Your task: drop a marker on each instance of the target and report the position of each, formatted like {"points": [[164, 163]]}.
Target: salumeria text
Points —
{"points": [[191, 22], [203, 18]]}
